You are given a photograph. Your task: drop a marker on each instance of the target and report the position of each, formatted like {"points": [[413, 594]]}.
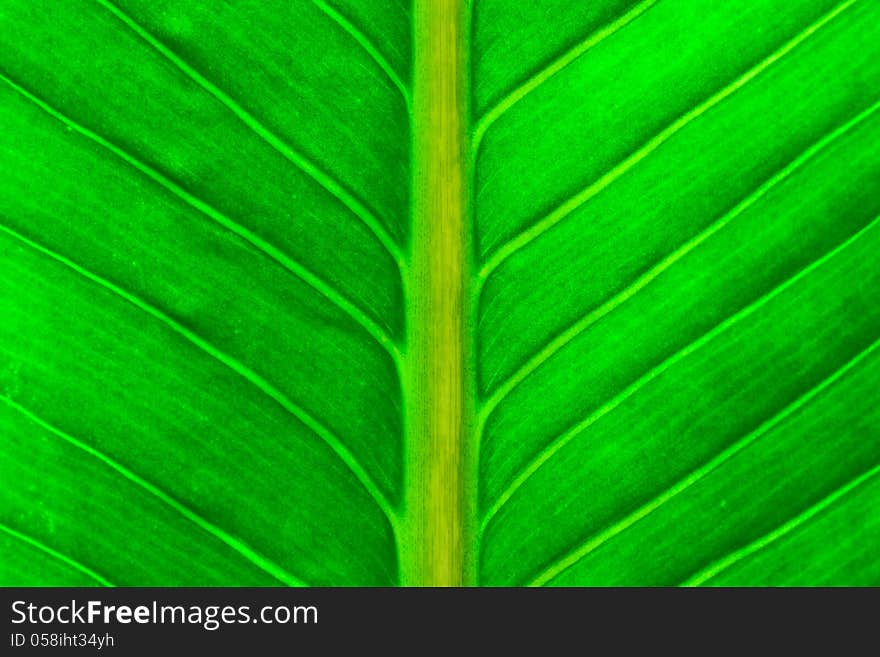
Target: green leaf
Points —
{"points": [[201, 289], [338, 292]]}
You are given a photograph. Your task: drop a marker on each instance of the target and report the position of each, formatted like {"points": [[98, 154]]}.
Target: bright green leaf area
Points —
{"points": [[205, 275]]}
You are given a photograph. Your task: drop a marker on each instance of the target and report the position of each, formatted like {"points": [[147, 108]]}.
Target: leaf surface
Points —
{"points": [[202, 226], [211, 320], [679, 321]]}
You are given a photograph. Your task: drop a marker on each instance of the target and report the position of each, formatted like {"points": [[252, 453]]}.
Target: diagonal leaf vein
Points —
{"points": [[562, 61], [299, 160], [702, 471], [563, 210], [59, 556], [236, 366], [228, 539], [555, 445], [608, 306], [369, 47], [314, 281], [717, 567]]}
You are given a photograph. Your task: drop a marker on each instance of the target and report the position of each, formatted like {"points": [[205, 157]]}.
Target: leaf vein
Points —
{"points": [[555, 445], [538, 78], [563, 210], [787, 527], [636, 286], [236, 366], [299, 160], [369, 47], [228, 539], [311, 279], [68, 561], [702, 471]]}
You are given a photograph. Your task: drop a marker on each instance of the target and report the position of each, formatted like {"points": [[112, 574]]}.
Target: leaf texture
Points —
{"points": [[678, 314], [201, 288], [207, 292]]}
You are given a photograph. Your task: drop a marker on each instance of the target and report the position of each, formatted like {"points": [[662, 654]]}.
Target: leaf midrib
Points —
{"points": [[403, 260]]}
